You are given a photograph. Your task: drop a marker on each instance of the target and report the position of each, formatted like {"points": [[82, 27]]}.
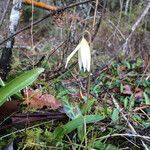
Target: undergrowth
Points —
{"points": [[96, 122]]}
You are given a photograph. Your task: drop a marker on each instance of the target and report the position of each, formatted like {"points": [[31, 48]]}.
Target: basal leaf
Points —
{"points": [[72, 125], [19, 83]]}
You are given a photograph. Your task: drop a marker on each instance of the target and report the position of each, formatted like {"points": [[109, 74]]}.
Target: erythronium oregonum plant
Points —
{"points": [[84, 55]]}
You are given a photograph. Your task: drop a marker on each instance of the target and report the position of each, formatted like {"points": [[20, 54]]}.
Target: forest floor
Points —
{"points": [[65, 108], [60, 114]]}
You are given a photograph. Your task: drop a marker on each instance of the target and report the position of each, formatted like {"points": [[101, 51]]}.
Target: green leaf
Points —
{"points": [[147, 90], [71, 111], [131, 102], [125, 102], [115, 115], [19, 83], [72, 125], [99, 145], [127, 64], [86, 108], [147, 99], [121, 88], [1, 82]]}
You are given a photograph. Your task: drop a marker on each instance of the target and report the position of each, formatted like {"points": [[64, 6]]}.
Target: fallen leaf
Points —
{"points": [[122, 68], [115, 90], [138, 93], [127, 90], [9, 108], [35, 99]]}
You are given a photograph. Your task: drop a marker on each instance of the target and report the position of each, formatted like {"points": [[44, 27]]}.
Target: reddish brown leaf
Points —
{"points": [[127, 90], [138, 93], [115, 90], [35, 99], [9, 108], [122, 68]]}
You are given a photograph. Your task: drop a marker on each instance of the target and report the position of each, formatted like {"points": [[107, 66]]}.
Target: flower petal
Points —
{"points": [[85, 55], [88, 58], [79, 59], [71, 55]]}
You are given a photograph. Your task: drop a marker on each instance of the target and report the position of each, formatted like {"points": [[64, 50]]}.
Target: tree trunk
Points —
{"points": [[5, 60]]}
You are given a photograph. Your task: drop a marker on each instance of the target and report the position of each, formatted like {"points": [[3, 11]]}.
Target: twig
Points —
{"points": [[22, 130], [126, 134], [116, 28]]}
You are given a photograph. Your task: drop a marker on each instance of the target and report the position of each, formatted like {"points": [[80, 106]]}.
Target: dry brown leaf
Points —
{"points": [[35, 99], [122, 68]]}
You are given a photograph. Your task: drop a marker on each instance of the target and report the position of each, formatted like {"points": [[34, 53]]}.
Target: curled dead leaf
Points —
{"points": [[35, 99]]}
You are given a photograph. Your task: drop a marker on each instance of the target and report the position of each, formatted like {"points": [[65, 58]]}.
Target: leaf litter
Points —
{"points": [[37, 100]]}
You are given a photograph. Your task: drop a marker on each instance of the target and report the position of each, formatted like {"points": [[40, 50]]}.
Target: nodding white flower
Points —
{"points": [[84, 55]]}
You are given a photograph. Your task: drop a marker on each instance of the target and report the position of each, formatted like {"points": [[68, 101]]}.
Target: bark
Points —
{"points": [[7, 51], [126, 7]]}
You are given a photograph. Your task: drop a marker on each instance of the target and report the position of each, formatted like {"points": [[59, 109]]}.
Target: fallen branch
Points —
{"points": [[33, 117], [39, 116], [40, 5]]}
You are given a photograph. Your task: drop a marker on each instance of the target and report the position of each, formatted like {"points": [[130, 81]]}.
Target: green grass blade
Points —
{"points": [[72, 125], [19, 83]]}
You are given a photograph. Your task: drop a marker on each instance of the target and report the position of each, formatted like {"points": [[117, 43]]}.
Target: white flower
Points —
{"points": [[84, 55]]}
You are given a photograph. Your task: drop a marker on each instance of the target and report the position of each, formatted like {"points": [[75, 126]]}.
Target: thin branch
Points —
{"points": [[126, 134], [24, 129]]}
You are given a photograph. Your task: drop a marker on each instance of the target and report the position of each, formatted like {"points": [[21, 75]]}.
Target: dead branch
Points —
{"points": [[40, 5]]}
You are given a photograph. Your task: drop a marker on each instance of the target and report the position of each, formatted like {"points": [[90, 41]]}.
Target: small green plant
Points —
{"points": [[18, 84]]}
